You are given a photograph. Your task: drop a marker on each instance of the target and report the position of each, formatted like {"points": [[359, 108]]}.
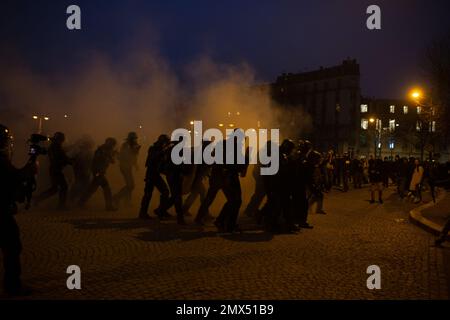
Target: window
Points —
{"points": [[419, 110], [392, 145], [364, 108], [418, 126], [405, 109], [378, 125], [364, 124], [433, 126], [392, 109], [391, 125]]}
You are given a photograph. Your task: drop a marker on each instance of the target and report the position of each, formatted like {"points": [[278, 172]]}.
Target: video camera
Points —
{"points": [[36, 148], [29, 184]]}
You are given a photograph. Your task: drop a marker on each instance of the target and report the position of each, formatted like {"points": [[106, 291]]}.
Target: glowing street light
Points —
{"points": [[40, 122], [372, 120], [416, 94]]}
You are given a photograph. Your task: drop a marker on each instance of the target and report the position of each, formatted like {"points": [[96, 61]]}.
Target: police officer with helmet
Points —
{"points": [[11, 191]]}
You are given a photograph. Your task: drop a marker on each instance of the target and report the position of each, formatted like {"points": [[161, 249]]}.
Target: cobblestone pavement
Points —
{"points": [[123, 258]]}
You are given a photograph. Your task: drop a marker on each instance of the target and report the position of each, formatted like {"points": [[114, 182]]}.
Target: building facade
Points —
{"points": [[331, 97], [399, 127]]}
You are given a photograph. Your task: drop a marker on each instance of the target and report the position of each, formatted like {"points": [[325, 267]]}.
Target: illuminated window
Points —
{"points": [[364, 124], [391, 125], [433, 126], [405, 109], [378, 124], [419, 110], [418, 126], [364, 108], [392, 109]]}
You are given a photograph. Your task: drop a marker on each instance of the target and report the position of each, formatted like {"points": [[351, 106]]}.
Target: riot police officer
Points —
{"points": [[11, 183], [303, 176], [153, 177], [128, 157], [58, 160], [104, 156]]}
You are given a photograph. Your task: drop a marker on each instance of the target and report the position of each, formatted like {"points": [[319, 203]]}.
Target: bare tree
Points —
{"points": [[437, 68]]}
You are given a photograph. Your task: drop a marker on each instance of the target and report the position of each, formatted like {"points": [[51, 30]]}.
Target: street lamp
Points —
{"points": [[40, 120], [416, 94], [426, 115]]}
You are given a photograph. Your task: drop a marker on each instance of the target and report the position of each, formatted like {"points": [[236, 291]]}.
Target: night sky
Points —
{"points": [[271, 36]]}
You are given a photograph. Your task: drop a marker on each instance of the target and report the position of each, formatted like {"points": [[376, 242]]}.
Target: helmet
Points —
{"points": [[287, 146], [163, 139], [58, 137], [111, 142], [132, 136]]}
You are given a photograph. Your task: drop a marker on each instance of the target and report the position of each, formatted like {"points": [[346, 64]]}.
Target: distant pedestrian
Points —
{"points": [[416, 181], [376, 180]]}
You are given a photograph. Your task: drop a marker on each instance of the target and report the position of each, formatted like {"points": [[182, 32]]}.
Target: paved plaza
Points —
{"points": [[124, 258]]}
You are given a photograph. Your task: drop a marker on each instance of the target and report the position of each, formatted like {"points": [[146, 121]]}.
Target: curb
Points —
{"points": [[416, 217]]}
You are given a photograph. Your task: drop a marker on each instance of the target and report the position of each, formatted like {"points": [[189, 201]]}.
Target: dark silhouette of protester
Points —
{"points": [[258, 195], [128, 157], [58, 161], [11, 192], [174, 175], [81, 154], [198, 188], [318, 183], [302, 173], [357, 173], [346, 172], [416, 181], [231, 187], [154, 179], [376, 179], [104, 156]]}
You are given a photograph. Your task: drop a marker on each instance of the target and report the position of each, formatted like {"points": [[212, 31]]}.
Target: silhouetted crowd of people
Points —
{"points": [[280, 203]]}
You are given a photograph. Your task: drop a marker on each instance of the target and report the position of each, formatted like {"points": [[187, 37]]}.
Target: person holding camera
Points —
{"points": [[12, 184]]}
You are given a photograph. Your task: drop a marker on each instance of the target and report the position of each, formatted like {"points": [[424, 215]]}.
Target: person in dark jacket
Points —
{"points": [[128, 157], [376, 179], [153, 178], [11, 184], [104, 156], [58, 161], [81, 154]]}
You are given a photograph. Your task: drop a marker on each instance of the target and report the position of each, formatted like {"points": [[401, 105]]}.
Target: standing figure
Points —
{"points": [[416, 181], [357, 173], [153, 177], [376, 179], [198, 188], [318, 183], [104, 156], [303, 176], [228, 216], [258, 195], [128, 157], [11, 183], [58, 160], [346, 171], [81, 155]]}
